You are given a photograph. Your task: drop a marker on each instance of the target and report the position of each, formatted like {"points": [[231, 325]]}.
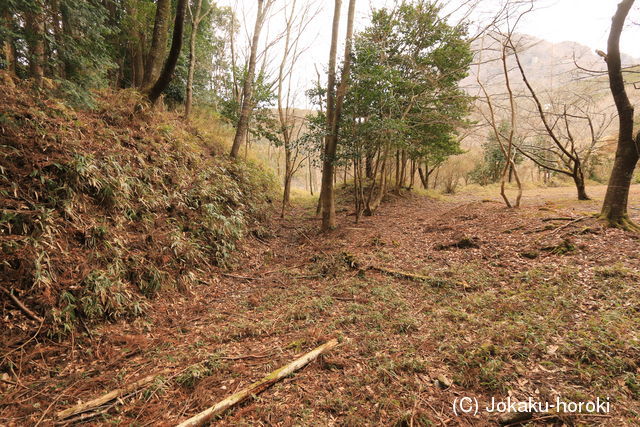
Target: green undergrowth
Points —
{"points": [[104, 209]]}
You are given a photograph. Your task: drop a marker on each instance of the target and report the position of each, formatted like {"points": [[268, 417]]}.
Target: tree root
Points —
{"points": [[623, 223]]}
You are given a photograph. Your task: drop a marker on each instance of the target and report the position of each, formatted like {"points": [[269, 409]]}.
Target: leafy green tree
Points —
{"points": [[405, 102]]}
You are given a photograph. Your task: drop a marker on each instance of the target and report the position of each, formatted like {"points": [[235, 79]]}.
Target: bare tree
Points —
{"points": [[565, 156], [505, 142], [291, 126], [614, 208], [247, 91], [196, 17], [335, 100]]}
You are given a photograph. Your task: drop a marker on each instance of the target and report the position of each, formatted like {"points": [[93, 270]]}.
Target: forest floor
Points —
{"points": [[536, 302]]}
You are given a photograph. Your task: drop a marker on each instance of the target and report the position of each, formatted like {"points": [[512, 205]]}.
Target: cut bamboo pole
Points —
{"points": [[105, 398], [257, 387]]}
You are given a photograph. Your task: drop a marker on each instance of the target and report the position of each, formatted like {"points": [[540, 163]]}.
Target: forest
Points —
{"points": [[307, 212]]}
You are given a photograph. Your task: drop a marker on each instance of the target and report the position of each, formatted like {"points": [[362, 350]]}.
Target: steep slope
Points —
{"points": [[103, 209]]}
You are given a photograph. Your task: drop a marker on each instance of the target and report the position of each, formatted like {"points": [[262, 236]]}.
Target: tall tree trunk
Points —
{"points": [[35, 41], [247, 97], [326, 180], [403, 168], [57, 22], [137, 59], [310, 176], [614, 208], [398, 169], [158, 44], [424, 179], [413, 174], [195, 23], [288, 175], [333, 114], [135, 47], [8, 46], [174, 54]]}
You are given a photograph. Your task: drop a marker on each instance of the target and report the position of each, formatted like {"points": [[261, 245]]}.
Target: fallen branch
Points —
{"points": [[30, 314], [257, 387], [434, 281], [247, 356], [105, 398], [235, 276], [569, 223], [558, 218]]}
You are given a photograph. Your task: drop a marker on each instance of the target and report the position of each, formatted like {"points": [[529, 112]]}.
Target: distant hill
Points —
{"points": [[548, 65]]}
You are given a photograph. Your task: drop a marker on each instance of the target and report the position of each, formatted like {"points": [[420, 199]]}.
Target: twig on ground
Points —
{"points": [[559, 218], [569, 223], [4, 356], [248, 356], [235, 276], [30, 314]]}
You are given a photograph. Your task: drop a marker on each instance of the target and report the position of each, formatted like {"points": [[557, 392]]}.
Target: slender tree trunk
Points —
{"points": [[137, 63], [310, 177], [614, 208], [195, 22], [334, 112], [397, 169], [247, 97], [135, 47], [288, 175], [57, 21], [35, 42], [326, 202], [424, 178], [8, 46], [403, 168], [158, 47], [172, 60], [412, 179]]}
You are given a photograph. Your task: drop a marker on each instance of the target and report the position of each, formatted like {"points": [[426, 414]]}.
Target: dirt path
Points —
{"points": [[514, 303]]}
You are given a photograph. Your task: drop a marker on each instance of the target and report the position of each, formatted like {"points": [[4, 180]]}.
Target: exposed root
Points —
{"points": [[624, 223]]}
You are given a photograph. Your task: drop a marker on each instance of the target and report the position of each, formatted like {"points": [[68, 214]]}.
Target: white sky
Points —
{"points": [[584, 21]]}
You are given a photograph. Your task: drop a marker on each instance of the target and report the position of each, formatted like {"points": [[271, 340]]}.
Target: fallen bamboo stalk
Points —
{"points": [[415, 277], [257, 387], [105, 398], [20, 305]]}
